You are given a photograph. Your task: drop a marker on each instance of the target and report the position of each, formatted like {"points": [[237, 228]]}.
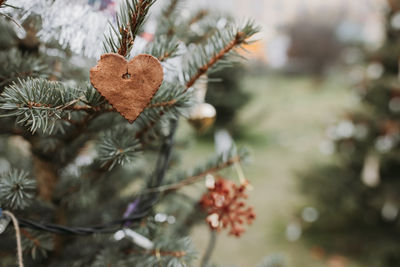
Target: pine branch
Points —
{"points": [[37, 243], [192, 179], [80, 129], [214, 166], [175, 254], [30, 237], [168, 19], [41, 104], [219, 46], [163, 47], [170, 251], [109, 257], [88, 109], [4, 4], [198, 16], [130, 20], [16, 189], [118, 147], [149, 126], [203, 69], [37, 103], [18, 66], [170, 8], [110, 227], [169, 103]]}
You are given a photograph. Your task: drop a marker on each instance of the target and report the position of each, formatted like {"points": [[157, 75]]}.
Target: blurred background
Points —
{"points": [[317, 103]]}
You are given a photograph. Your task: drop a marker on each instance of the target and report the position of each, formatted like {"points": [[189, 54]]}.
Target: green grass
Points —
{"points": [[284, 124]]}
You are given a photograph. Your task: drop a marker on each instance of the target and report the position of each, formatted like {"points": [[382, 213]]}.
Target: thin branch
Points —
{"points": [[4, 4], [164, 57], [126, 42], [143, 131], [129, 21], [169, 103], [192, 179], [210, 249], [203, 69], [16, 76], [156, 252], [30, 237], [90, 109], [199, 16], [172, 6]]}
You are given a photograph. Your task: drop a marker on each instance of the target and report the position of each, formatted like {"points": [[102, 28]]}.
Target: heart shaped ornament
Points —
{"points": [[128, 86]]}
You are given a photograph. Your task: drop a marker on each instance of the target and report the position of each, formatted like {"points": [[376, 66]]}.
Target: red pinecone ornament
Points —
{"points": [[226, 207]]}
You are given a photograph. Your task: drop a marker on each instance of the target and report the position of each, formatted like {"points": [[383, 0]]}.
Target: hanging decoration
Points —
{"points": [[202, 116], [226, 208], [127, 85]]}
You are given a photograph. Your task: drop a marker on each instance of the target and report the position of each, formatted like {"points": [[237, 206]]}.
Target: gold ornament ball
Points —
{"points": [[202, 117]]}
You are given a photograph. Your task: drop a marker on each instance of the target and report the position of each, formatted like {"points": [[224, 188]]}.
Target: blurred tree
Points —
{"points": [[314, 46], [358, 197]]}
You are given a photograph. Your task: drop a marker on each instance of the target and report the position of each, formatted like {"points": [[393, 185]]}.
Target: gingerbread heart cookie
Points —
{"points": [[128, 86]]}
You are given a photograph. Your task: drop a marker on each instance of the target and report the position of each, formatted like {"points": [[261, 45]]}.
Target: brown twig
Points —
{"points": [[15, 76], [151, 125], [164, 57], [192, 179], [160, 114], [30, 237], [167, 13], [135, 21], [90, 109], [127, 32], [101, 109], [203, 69], [126, 41], [155, 252], [163, 104], [200, 15]]}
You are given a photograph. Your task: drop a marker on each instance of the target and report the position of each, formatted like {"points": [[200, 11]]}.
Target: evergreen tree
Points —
{"points": [[358, 196], [227, 96], [87, 187]]}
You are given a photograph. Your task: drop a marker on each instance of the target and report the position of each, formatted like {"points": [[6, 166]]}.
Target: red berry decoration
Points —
{"points": [[226, 207]]}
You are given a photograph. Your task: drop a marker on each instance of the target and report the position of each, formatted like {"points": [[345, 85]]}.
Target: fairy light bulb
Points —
{"points": [[370, 173]]}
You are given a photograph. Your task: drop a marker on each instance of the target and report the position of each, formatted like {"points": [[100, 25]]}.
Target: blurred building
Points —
{"points": [[361, 19]]}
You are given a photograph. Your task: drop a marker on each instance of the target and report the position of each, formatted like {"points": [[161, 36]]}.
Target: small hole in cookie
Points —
{"points": [[126, 76]]}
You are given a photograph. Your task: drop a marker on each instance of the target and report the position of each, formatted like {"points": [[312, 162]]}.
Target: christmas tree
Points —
{"points": [[89, 166], [358, 196]]}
